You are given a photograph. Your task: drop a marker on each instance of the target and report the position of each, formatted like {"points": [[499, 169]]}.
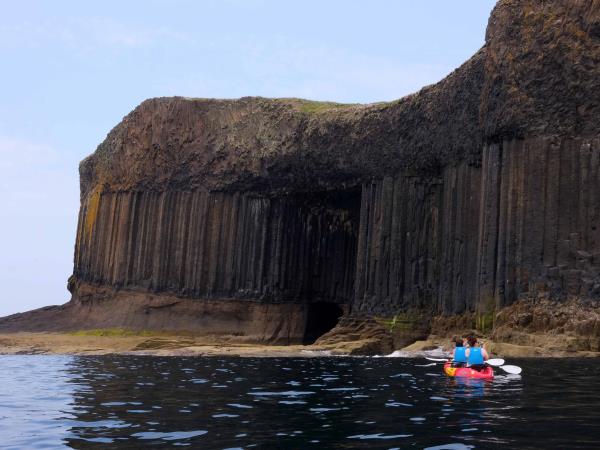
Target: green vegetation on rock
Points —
{"points": [[404, 321], [484, 318], [113, 332], [314, 107]]}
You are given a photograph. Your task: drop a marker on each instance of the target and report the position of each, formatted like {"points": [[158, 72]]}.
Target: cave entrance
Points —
{"points": [[321, 317], [319, 249]]}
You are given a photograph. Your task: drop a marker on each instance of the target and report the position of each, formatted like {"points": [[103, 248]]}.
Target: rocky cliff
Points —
{"points": [[270, 218]]}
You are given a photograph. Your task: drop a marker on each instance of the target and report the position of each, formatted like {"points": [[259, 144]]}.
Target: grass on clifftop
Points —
{"points": [[313, 107]]}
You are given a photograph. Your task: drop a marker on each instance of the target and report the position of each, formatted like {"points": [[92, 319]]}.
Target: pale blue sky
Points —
{"points": [[72, 69]]}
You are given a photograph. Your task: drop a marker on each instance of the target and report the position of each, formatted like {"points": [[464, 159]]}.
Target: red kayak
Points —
{"points": [[485, 374]]}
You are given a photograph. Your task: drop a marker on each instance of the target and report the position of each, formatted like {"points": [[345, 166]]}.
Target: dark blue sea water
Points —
{"points": [[125, 402]]}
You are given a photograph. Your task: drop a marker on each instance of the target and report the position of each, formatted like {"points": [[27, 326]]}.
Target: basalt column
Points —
{"points": [[417, 241], [524, 223], [539, 220], [213, 245]]}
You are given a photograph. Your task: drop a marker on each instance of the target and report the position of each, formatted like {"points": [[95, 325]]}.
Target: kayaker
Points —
{"points": [[460, 357], [476, 355]]}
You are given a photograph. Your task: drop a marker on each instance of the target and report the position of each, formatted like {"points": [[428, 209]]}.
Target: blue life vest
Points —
{"points": [[459, 355], [475, 356]]}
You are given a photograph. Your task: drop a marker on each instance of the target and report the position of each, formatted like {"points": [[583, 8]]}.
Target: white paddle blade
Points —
{"points": [[515, 370], [436, 359], [495, 362]]}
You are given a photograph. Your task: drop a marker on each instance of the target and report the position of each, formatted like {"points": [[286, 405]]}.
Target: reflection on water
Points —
{"points": [[133, 402]]}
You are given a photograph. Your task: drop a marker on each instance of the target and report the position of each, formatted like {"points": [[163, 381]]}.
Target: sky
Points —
{"points": [[70, 71]]}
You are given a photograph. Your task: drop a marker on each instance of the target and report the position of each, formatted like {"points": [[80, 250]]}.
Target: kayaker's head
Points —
{"points": [[458, 341], [472, 340]]}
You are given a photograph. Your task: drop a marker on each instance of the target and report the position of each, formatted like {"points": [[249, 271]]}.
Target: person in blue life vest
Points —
{"points": [[476, 354], [460, 358]]}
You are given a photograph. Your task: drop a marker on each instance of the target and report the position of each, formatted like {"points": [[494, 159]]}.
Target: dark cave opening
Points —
{"points": [[330, 245], [321, 317]]}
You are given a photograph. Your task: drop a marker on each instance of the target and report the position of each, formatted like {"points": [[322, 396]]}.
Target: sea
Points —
{"points": [[313, 402]]}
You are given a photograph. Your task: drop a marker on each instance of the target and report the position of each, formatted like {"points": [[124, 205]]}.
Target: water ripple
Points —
{"points": [[118, 402]]}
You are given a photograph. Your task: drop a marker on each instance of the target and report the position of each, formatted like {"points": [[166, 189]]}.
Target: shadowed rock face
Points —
{"points": [[469, 195]]}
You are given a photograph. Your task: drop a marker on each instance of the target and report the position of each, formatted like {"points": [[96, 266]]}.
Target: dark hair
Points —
{"points": [[472, 340], [458, 341]]}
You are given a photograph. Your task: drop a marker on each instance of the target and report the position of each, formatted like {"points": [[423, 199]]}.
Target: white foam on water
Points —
{"points": [[434, 353], [453, 446], [379, 436]]}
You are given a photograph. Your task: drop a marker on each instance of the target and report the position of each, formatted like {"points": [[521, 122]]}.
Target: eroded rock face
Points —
{"points": [[572, 325], [465, 197], [221, 245]]}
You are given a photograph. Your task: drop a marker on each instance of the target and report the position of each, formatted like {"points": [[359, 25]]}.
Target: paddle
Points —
{"points": [[514, 370], [496, 362], [499, 362]]}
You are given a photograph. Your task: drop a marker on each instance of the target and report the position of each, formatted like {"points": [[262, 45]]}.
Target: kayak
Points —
{"points": [[485, 374]]}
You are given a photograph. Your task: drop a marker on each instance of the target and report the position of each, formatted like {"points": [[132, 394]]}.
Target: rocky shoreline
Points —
{"points": [[26, 343], [528, 328]]}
